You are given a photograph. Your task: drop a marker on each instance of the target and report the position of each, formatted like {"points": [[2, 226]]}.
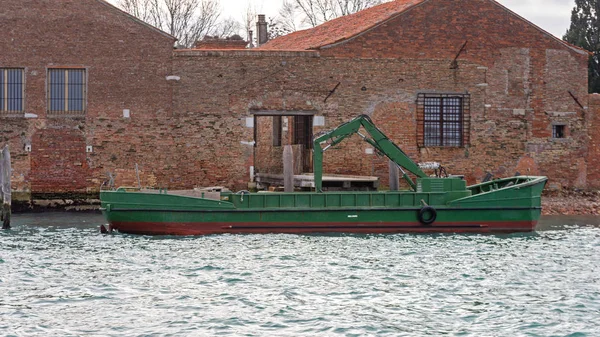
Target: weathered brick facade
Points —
{"points": [[593, 156], [126, 64], [194, 113]]}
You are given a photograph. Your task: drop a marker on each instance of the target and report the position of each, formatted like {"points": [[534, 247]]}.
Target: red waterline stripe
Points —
{"points": [[194, 228]]}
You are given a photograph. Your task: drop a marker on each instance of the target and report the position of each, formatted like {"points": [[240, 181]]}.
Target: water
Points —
{"points": [[60, 277]]}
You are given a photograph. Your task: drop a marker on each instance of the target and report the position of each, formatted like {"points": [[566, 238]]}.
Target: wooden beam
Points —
{"points": [[575, 99], [283, 112]]}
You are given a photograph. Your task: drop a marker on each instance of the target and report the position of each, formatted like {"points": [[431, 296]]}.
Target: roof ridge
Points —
{"points": [[376, 24], [542, 30], [136, 19], [322, 34], [346, 27]]}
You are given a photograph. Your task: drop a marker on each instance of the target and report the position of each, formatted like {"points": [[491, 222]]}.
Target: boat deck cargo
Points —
{"points": [[331, 182]]}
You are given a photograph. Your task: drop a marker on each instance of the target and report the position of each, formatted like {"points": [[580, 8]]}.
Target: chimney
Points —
{"points": [[250, 39], [261, 30]]}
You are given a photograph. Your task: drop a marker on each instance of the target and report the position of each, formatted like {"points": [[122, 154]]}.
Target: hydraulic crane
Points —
{"points": [[375, 138]]}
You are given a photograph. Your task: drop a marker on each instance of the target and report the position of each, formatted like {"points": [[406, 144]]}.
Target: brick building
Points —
{"points": [[71, 68], [89, 91]]}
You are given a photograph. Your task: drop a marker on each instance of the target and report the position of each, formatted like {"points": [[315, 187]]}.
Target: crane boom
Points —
{"points": [[377, 139]]}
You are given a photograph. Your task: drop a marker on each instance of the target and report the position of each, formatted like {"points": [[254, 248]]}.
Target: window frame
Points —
{"points": [[67, 103], [460, 121], [5, 94]]}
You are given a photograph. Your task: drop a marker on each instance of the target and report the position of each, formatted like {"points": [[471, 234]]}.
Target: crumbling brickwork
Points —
{"points": [[593, 156], [502, 135], [217, 43]]}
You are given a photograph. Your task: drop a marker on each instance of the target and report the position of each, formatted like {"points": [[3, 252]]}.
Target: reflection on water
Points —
{"points": [[557, 222], [80, 220], [60, 277], [83, 220]]}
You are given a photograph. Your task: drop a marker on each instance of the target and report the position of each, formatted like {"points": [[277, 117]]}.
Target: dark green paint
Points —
{"points": [[484, 202]]}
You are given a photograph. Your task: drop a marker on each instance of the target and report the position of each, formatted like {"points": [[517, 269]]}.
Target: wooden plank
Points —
{"points": [[307, 180], [283, 112]]}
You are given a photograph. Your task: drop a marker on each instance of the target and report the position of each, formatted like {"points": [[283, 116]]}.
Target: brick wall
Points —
{"points": [[217, 43], [438, 29], [126, 63], [192, 131], [58, 163], [504, 135], [593, 156]]}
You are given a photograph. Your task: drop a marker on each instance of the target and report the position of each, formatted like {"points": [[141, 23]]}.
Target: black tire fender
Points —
{"points": [[427, 215]]}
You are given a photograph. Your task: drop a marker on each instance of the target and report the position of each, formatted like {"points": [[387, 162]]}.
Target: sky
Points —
{"points": [[554, 16]]}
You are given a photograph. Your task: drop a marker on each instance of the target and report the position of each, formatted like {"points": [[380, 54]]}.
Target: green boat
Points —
{"points": [[438, 204]]}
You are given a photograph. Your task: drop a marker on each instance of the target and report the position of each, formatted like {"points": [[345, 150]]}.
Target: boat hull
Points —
{"points": [[400, 220]]}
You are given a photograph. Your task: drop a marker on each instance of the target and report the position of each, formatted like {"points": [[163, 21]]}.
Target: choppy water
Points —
{"points": [[60, 277]]}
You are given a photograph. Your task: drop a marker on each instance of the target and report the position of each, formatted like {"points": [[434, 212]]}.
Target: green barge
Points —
{"points": [[434, 204]]}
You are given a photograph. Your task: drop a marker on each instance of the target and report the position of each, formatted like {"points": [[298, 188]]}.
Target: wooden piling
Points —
{"points": [[394, 176], [288, 168], [5, 194]]}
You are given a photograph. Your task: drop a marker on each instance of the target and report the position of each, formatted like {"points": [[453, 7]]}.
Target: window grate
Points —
{"points": [[67, 92], [443, 120], [12, 90], [558, 131]]}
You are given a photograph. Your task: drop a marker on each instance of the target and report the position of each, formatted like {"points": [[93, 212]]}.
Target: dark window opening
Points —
{"points": [[558, 131], [303, 131], [11, 89], [66, 91], [302, 134], [277, 130], [443, 120]]}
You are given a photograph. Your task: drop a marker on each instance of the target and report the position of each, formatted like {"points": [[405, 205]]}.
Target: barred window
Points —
{"points": [[66, 91], [11, 89], [558, 131], [443, 120]]}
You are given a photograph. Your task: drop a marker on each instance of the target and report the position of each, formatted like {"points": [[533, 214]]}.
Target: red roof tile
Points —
{"points": [[341, 28]]}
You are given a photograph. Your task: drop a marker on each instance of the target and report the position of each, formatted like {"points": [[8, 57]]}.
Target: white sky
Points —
{"points": [[553, 16]]}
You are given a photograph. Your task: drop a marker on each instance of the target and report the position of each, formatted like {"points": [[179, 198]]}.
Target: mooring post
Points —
{"points": [[2, 188], [394, 176], [5, 172], [288, 168], [137, 175]]}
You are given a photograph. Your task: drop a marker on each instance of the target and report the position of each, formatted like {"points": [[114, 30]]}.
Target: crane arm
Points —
{"points": [[376, 138]]}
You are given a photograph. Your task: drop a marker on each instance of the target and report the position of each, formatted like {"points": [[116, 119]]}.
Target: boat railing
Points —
{"points": [[107, 187], [196, 193], [498, 184]]}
